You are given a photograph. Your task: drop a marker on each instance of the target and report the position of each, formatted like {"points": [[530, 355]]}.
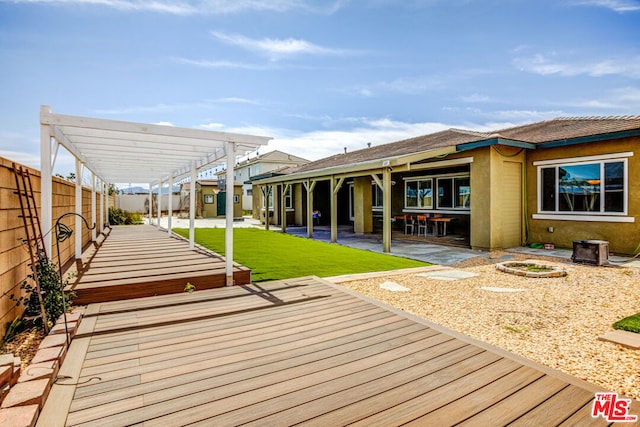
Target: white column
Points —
{"points": [[170, 205], [104, 212], [102, 205], [106, 204], [78, 225], [46, 186], [93, 205], [159, 203], [150, 203], [192, 206], [228, 235]]}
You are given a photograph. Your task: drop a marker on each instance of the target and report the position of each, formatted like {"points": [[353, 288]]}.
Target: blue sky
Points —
{"points": [[317, 76]]}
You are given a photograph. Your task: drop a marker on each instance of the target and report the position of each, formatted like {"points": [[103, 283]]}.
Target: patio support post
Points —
{"points": [[46, 185], [78, 223], [150, 203], [93, 205], [159, 203], [309, 186], [266, 190], [283, 206], [170, 205], [334, 210], [386, 210], [192, 206], [228, 235]]}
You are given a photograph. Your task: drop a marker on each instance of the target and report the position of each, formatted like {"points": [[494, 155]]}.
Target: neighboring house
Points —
{"points": [[261, 164], [555, 181], [211, 199]]}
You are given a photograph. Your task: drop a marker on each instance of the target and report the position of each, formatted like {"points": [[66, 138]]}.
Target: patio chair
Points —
{"points": [[423, 225], [409, 224]]}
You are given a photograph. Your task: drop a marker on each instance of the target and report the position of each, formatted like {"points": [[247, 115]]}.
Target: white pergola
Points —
{"points": [[117, 151]]}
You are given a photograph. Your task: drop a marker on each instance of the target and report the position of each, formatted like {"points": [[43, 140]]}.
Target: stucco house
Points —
{"points": [[555, 181], [260, 164], [211, 198]]}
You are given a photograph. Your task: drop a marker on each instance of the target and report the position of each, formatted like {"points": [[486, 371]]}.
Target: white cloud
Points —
{"points": [[543, 65], [203, 63], [475, 97], [620, 6], [276, 48], [209, 7]]}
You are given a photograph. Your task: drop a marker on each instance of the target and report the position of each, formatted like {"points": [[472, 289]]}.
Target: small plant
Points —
{"points": [[12, 330], [538, 268], [51, 291], [513, 329], [189, 288]]}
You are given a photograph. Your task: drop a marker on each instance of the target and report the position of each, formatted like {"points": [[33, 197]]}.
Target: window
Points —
{"points": [[267, 202], [418, 194], [596, 187], [376, 196], [236, 199], [208, 198], [288, 198]]}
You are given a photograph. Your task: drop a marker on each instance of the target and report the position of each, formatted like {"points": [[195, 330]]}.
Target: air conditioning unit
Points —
{"points": [[591, 252]]}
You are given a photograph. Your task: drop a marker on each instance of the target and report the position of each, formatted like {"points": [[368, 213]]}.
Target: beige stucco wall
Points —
{"points": [[363, 220], [622, 237], [489, 197]]}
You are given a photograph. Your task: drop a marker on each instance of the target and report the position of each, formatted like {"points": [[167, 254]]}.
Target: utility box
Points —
{"points": [[591, 252]]}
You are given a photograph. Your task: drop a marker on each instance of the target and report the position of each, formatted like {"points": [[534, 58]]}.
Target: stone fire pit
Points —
{"points": [[531, 268]]}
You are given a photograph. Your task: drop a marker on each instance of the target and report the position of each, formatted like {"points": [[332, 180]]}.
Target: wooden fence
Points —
{"points": [[14, 257]]}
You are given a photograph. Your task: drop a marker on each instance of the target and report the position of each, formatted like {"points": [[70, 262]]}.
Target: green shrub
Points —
{"points": [[122, 217]]}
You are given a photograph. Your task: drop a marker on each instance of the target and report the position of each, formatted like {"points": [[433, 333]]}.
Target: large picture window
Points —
{"points": [[596, 187], [438, 192]]}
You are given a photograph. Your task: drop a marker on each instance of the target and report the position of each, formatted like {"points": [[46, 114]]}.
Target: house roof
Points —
{"points": [[275, 156], [563, 129]]}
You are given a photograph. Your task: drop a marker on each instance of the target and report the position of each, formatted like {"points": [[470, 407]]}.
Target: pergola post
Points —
{"points": [[102, 192], [46, 185], [159, 203], [386, 210], [150, 203], [192, 206], [228, 236], [170, 204], [106, 205], [78, 219], [93, 206]]}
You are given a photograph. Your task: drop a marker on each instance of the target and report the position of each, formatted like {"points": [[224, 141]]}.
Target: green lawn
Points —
{"points": [[631, 323], [273, 256]]}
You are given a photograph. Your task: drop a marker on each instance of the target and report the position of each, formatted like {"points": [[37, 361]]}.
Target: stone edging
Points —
{"points": [[28, 390]]}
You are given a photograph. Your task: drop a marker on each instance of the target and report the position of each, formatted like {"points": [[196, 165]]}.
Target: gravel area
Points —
{"points": [[555, 321]]}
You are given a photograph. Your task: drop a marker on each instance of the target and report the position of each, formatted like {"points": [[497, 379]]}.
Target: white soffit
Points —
{"points": [[118, 151]]}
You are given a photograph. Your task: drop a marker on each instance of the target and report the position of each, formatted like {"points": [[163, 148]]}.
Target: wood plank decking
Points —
{"points": [[295, 351], [141, 261]]}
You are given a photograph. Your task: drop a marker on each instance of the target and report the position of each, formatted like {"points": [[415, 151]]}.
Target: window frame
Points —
{"points": [[435, 202], [600, 215]]}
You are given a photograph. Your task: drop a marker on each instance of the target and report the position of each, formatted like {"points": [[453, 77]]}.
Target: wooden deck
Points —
{"points": [[140, 261], [295, 351]]}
